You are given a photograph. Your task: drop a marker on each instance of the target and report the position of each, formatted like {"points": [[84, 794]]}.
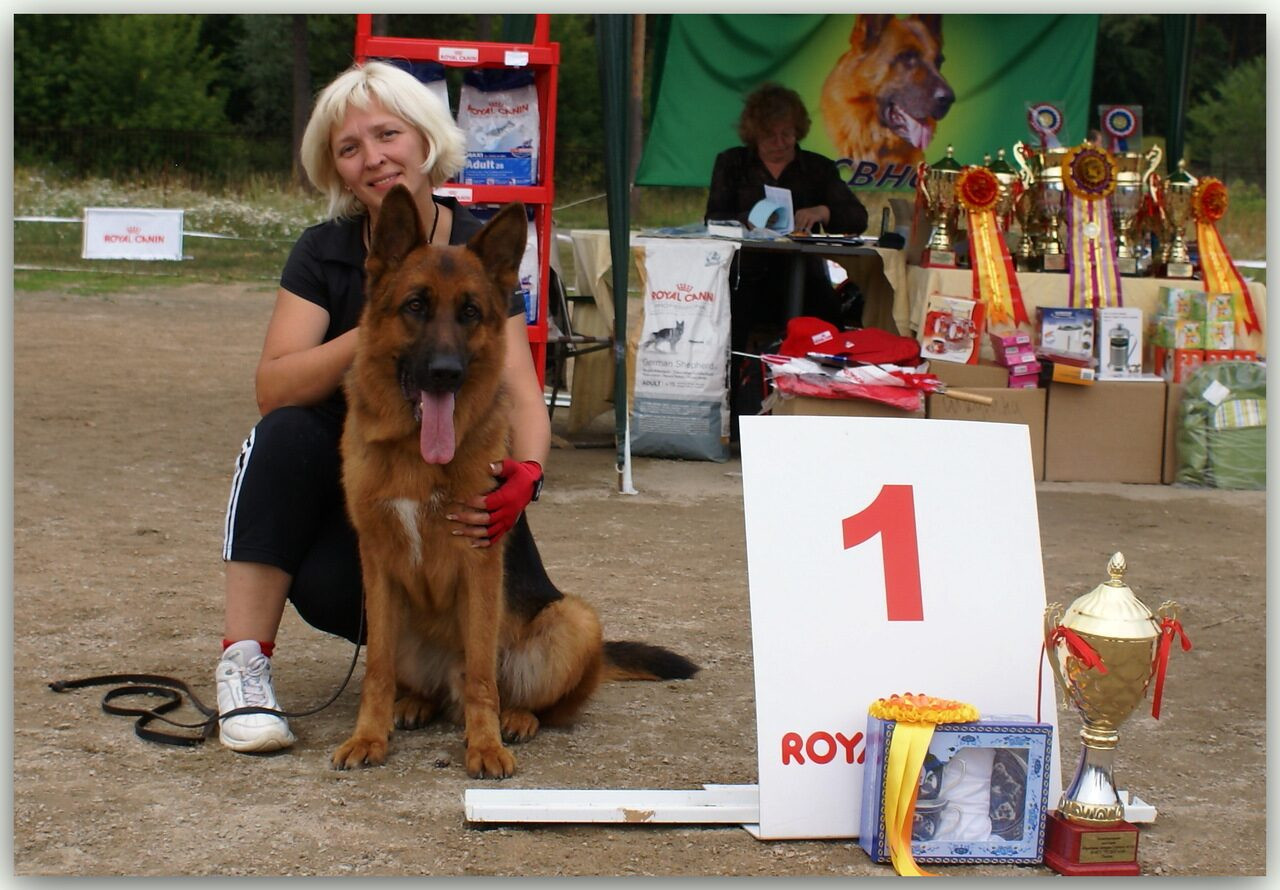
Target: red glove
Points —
{"points": [[521, 483]]}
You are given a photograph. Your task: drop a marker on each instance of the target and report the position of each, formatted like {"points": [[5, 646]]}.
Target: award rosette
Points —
{"points": [[1045, 120], [995, 282], [1089, 173], [1208, 205], [916, 716]]}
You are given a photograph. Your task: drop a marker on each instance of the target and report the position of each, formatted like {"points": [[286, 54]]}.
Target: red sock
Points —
{"points": [[267, 647]]}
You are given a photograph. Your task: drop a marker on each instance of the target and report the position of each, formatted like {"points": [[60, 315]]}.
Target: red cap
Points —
{"points": [[806, 334]]}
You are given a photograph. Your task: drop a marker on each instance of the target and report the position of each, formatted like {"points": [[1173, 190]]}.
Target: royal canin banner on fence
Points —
{"points": [[884, 92], [129, 233]]}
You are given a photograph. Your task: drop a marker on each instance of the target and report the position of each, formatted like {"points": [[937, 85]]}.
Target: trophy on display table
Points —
{"points": [[1010, 188], [937, 185], [1104, 650], [1027, 213], [1133, 182], [1043, 170], [1178, 190]]}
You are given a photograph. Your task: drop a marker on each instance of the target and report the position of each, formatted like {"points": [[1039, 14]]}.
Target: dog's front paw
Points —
{"points": [[413, 711], [518, 725], [490, 762], [359, 751]]}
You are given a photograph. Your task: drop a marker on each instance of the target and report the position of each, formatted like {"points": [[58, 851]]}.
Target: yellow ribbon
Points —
{"points": [[1222, 277], [915, 717], [988, 251]]}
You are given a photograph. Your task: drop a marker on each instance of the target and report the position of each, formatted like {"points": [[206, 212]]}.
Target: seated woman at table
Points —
{"points": [[771, 125]]}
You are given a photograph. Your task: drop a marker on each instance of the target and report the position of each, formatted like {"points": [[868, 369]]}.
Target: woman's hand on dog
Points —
{"points": [[486, 518]]}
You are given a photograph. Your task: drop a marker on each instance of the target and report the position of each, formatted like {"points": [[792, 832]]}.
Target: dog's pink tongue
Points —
{"points": [[436, 440]]}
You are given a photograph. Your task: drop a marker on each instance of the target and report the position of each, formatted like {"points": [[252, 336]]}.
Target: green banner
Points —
{"points": [[884, 92]]}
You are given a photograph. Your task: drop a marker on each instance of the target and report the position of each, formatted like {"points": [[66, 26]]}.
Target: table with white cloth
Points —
{"points": [[1049, 289]]}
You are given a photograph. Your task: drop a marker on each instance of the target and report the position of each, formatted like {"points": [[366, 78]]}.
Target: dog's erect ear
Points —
{"points": [[867, 30], [398, 231], [500, 245], [933, 23]]}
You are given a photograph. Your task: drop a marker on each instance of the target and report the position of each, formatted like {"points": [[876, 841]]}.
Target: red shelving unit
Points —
{"points": [[543, 58]]}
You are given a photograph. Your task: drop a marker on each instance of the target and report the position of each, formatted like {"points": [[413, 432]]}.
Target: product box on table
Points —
{"points": [[984, 792], [1025, 381], [952, 329], [1176, 365], [1179, 333], [1119, 342], [1176, 302], [1065, 331], [1219, 335], [1217, 307]]}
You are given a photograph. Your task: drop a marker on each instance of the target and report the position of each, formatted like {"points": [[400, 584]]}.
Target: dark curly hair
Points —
{"points": [[768, 105]]}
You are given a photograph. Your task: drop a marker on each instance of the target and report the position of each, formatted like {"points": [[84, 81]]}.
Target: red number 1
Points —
{"points": [[892, 515]]}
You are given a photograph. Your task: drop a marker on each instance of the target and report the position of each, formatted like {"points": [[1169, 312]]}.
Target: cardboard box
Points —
{"points": [[1025, 406], [1119, 342], [980, 376], [1172, 404], [1112, 431], [983, 795], [838, 408]]}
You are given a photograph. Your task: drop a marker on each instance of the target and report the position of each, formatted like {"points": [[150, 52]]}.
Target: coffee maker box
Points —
{"points": [[1119, 343], [1065, 332]]}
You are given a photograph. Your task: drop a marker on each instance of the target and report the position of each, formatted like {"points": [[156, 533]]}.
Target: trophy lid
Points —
{"points": [[1111, 609], [1182, 177], [1000, 165], [949, 162]]}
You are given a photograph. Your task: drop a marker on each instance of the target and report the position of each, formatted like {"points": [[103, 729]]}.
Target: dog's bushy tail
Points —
{"points": [[629, 660]]}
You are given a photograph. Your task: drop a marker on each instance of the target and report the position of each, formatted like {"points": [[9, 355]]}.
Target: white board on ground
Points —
{"points": [[884, 556]]}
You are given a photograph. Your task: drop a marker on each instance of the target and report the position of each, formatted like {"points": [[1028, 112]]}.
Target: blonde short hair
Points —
{"points": [[400, 93]]}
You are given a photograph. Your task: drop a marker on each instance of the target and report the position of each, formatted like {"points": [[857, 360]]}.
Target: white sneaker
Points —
{"points": [[243, 678]]}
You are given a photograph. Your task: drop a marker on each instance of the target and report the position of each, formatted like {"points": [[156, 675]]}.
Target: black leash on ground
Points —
{"points": [[171, 690]]}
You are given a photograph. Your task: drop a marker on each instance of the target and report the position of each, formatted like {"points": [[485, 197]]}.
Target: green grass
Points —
{"points": [[266, 218]]}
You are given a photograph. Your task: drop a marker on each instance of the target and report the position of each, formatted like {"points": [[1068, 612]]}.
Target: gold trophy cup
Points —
{"points": [[1133, 178], [1052, 202], [1104, 681], [1008, 179], [1026, 211], [937, 184], [1177, 203]]}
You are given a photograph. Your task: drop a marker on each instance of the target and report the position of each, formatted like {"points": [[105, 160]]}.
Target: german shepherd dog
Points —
{"points": [[426, 417], [885, 95]]}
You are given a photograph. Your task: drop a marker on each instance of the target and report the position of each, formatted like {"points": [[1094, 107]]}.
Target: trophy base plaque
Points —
{"points": [[1027, 263], [1055, 262], [1086, 850], [943, 259], [1179, 270], [1127, 265]]}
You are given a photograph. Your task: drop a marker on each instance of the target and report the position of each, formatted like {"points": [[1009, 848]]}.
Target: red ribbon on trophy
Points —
{"points": [[1169, 627], [1219, 273], [995, 282], [1089, 173]]}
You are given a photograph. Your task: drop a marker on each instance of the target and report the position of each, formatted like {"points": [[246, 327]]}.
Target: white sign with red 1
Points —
{"points": [[884, 556]]}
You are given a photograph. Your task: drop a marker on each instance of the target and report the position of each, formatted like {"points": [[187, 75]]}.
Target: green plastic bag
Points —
{"points": [[1222, 426]]}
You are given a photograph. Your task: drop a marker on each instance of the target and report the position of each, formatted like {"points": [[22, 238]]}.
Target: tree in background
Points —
{"points": [[1226, 123], [145, 71]]}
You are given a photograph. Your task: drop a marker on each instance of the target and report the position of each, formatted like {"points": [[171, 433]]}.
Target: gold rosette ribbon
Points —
{"points": [[1089, 173], [915, 717], [995, 282], [1208, 205]]}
